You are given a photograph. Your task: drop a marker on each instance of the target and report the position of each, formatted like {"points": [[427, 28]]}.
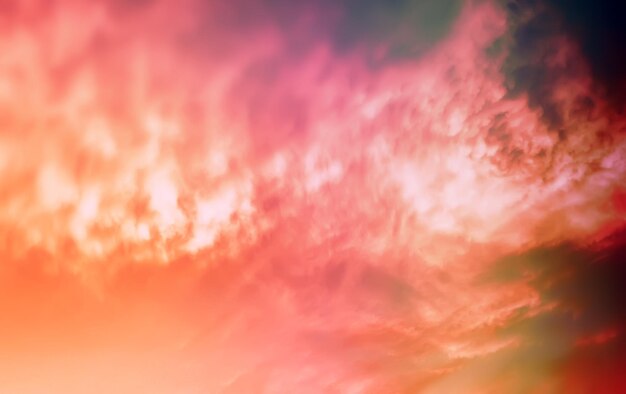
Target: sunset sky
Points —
{"points": [[302, 197]]}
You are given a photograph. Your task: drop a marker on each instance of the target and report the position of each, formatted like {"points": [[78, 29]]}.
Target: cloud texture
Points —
{"points": [[264, 196]]}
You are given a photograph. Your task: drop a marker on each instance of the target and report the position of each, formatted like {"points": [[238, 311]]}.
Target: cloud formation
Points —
{"points": [[269, 196]]}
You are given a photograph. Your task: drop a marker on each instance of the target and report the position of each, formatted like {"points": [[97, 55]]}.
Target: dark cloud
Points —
{"points": [[532, 39], [540, 30], [544, 62], [580, 319], [527, 70], [600, 29]]}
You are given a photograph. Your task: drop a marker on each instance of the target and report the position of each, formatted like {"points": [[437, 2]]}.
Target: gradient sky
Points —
{"points": [[274, 196]]}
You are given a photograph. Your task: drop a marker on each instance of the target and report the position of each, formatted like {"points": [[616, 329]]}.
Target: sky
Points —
{"points": [[351, 196]]}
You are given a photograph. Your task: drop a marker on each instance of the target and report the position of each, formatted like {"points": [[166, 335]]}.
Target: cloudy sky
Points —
{"points": [[274, 196]]}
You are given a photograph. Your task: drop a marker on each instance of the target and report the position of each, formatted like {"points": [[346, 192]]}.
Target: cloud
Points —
{"points": [[293, 196], [597, 29], [395, 29], [577, 327]]}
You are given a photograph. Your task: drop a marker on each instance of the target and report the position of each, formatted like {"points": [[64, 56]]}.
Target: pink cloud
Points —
{"points": [[200, 197]]}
